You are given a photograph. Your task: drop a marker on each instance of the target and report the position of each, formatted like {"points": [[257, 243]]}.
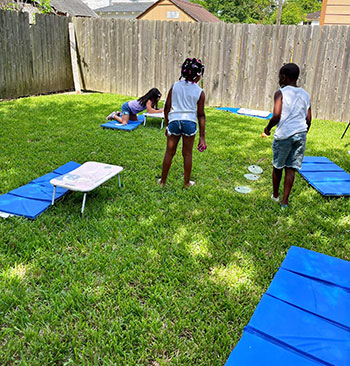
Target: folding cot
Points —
{"points": [[85, 178], [154, 115], [304, 317]]}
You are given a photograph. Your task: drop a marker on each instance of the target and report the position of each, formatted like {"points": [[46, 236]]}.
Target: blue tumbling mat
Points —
{"points": [[35, 197], [303, 318], [128, 127], [325, 176], [251, 348], [235, 110]]}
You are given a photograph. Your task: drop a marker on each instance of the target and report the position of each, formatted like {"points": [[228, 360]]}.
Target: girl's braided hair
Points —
{"points": [[191, 68]]}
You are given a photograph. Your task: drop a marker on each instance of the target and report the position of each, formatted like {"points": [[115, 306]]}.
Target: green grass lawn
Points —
{"points": [[148, 276]]}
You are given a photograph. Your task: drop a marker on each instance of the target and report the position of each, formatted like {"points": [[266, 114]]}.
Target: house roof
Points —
{"points": [[195, 11], [316, 15], [125, 7], [73, 8]]}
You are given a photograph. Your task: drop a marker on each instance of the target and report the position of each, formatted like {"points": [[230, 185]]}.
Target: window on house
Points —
{"points": [[172, 15]]}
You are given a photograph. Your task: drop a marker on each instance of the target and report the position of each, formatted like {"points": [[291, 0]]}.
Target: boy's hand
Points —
{"points": [[267, 131]]}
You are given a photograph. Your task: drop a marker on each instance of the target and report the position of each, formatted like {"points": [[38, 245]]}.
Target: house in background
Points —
{"points": [[178, 10], [75, 8], [335, 12], [60, 7], [124, 9], [313, 18]]}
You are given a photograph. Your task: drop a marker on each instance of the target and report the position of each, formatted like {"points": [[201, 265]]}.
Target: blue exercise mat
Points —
{"points": [[334, 271], [255, 350], [304, 317], [302, 331], [325, 176], [327, 301], [235, 110], [35, 197], [128, 127], [21, 206]]}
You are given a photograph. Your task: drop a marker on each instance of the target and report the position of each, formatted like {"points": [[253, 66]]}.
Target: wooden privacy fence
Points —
{"points": [[130, 57], [242, 61], [34, 59]]}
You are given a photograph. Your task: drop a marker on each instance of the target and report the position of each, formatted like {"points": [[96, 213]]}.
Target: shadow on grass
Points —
{"points": [[173, 275]]}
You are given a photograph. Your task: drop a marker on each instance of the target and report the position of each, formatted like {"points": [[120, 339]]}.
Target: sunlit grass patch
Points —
{"points": [[148, 276]]}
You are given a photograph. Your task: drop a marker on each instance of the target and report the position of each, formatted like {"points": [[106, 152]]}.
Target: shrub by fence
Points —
{"points": [[35, 58]]}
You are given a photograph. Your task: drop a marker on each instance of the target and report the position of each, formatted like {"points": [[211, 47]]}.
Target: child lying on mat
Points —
{"points": [[292, 115], [130, 109]]}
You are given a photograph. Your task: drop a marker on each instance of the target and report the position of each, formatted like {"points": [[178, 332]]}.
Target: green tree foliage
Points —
{"points": [[44, 6], [295, 11], [260, 11]]}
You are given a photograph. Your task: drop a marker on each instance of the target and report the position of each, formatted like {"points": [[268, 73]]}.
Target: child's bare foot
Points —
{"points": [[190, 184], [159, 181], [111, 116]]}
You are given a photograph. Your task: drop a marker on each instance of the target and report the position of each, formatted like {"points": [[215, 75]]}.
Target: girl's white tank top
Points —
{"points": [[184, 99]]}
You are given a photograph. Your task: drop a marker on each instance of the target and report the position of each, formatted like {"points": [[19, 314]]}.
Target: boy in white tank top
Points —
{"points": [[183, 106], [292, 115]]}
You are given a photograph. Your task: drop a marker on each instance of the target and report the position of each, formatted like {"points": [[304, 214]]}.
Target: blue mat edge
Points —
{"points": [[277, 342], [33, 199], [312, 184]]}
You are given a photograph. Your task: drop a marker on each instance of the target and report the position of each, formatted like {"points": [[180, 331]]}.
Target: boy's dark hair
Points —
{"points": [[291, 71], [154, 94], [191, 68]]}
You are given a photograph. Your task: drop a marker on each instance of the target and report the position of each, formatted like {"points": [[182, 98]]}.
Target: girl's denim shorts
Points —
{"points": [[178, 128], [126, 109]]}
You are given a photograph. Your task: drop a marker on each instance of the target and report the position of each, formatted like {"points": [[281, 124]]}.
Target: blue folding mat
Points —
{"points": [[35, 197], [325, 176], [304, 317], [131, 125], [235, 110]]}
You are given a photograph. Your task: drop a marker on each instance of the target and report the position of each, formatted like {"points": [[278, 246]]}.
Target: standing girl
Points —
{"points": [[184, 105], [130, 109]]}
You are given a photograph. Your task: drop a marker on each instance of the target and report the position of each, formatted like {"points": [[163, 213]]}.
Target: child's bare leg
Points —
{"points": [[171, 147], [187, 148], [133, 117], [288, 184], [118, 119], [276, 180], [125, 119]]}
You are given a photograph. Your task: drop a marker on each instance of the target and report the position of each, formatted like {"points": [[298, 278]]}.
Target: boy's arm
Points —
{"points": [[201, 120], [167, 109], [308, 119], [277, 110]]}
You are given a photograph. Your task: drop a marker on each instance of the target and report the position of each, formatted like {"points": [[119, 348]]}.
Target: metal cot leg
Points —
{"points": [[53, 195], [120, 184], [83, 206], [161, 125], [144, 121]]}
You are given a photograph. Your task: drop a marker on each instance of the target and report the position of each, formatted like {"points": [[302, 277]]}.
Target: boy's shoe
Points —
{"points": [[284, 206], [276, 199], [111, 116]]}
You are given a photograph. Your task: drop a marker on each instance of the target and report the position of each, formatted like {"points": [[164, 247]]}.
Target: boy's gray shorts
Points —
{"points": [[289, 152]]}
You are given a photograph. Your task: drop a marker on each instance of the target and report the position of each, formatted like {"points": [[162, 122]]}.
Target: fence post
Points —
{"points": [[74, 59]]}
